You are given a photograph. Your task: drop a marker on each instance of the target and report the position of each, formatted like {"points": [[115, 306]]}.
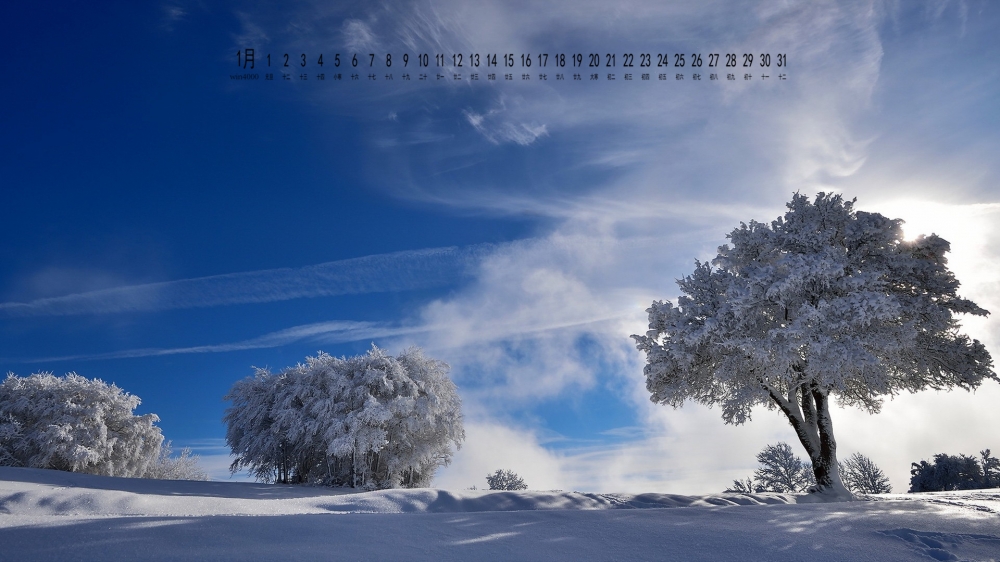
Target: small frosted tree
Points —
{"points": [[745, 486], [182, 467], [862, 476], [75, 424], [781, 471], [505, 480], [826, 302]]}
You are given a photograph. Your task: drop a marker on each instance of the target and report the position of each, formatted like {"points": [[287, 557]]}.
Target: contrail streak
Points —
{"points": [[398, 271]]}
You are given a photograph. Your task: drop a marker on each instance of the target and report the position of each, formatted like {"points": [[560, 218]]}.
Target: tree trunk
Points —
{"points": [[354, 465], [808, 411], [283, 469], [824, 461]]}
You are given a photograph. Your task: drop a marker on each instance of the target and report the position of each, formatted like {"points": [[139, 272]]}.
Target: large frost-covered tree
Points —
{"points": [[371, 421], [76, 424], [825, 302]]}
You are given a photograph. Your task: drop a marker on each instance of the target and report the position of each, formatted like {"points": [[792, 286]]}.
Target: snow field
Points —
{"points": [[51, 515]]}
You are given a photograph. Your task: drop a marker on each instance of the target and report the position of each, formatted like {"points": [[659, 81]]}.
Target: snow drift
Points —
{"points": [[52, 515]]}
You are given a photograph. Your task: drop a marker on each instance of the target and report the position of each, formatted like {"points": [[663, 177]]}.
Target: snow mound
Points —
{"points": [[40, 492]]}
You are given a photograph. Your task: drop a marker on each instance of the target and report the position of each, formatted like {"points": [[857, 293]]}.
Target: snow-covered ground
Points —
{"points": [[51, 515]]}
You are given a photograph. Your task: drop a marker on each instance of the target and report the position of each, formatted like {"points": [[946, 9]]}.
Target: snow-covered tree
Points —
{"points": [[946, 473], [781, 471], [962, 472], [250, 431], [825, 302], [505, 480], [862, 476], [991, 469], [76, 424], [371, 421]]}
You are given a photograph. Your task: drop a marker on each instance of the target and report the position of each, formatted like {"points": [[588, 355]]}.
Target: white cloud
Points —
{"points": [[490, 447], [915, 427]]}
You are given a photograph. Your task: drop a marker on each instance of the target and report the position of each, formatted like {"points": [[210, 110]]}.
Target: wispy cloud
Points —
{"points": [[172, 14], [497, 129], [321, 332], [399, 271], [358, 36], [251, 34], [333, 332], [615, 148]]}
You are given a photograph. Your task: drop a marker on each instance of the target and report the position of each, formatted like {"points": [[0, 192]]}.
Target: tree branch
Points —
{"points": [[789, 408]]}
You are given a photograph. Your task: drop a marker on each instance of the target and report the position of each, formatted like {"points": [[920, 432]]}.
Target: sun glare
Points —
{"points": [[972, 231], [965, 225]]}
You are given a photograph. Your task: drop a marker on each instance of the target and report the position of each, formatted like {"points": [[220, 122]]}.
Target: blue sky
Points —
{"points": [[167, 228]]}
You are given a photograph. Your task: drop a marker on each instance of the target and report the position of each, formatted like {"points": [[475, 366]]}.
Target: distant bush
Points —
{"points": [[505, 480], [745, 486], [76, 424], [960, 472], [183, 467]]}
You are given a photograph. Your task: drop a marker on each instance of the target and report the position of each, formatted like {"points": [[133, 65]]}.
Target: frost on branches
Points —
{"points": [[825, 302], [781, 471], [75, 424], [370, 421], [862, 476]]}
